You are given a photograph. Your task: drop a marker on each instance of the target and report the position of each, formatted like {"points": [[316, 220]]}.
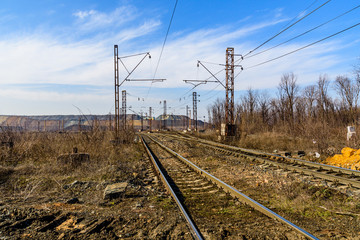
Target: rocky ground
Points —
{"points": [[52, 200], [45, 196]]}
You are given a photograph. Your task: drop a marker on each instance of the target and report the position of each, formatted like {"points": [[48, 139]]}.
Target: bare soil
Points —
{"points": [[43, 199]]}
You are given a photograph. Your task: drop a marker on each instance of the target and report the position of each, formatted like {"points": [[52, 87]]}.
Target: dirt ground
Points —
{"points": [[44, 199]]}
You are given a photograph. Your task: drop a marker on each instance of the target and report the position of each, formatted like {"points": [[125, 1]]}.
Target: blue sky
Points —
{"points": [[57, 56]]}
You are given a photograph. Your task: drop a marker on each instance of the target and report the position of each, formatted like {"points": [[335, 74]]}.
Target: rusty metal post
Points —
{"points": [[164, 116], [187, 114], [150, 118], [117, 100], [190, 125], [124, 108], [195, 110], [229, 101]]}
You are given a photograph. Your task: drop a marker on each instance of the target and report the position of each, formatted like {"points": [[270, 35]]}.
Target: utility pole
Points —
{"points": [[150, 118], [195, 110], [117, 86], [124, 108], [164, 115], [79, 124], [229, 87], [142, 121], [127, 78], [132, 120], [187, 114], [189, 119]]}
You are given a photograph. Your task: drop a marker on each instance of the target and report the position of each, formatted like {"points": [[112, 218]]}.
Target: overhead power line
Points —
{"points": [[299, 14], [287, 28], [163, 46], [311, 44], [306, 32], [167, 33]]}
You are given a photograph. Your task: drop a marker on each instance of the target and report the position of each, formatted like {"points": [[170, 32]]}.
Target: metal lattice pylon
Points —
{"points": [[150, 118], [164, 116], [229, 87], [117, 105], [195, 110], [124, 108]]}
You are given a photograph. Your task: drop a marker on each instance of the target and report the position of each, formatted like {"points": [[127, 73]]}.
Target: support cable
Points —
{"points": [[311, 44], [286, 28], [163, 46], [302, 34]]}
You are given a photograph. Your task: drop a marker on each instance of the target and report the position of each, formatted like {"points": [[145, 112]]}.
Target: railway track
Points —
{"points": [[336, 175], [208, 204]]}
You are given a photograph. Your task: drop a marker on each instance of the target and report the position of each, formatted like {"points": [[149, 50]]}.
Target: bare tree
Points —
{"points": [[264, 107], [218, 112], [349, 92], [249, 102], [288, 91], [310, 97], [323, 99]]}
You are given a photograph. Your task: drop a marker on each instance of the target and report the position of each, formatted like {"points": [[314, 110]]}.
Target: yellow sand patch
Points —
{"points": [[349, 158]]}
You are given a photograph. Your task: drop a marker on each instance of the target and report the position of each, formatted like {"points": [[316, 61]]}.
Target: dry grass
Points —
{"points": [[30, 168]]}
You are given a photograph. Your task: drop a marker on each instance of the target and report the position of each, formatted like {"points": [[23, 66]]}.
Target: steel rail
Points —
{"points": [[193, 229], [318, 166], [236, 193], [314, 173]]}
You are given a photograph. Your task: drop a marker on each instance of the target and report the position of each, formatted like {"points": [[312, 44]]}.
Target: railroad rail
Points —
{"points": [[193, 229], [222, 185], [334, 174]]}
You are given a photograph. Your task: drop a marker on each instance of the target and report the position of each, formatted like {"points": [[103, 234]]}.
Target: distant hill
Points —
{"points": [[86, 122]]}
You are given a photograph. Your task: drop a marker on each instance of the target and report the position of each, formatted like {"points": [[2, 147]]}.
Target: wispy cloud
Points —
{"points": [[93, 20]]}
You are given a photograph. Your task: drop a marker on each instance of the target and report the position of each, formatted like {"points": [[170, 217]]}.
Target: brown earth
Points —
{"points": [[41, 198]]}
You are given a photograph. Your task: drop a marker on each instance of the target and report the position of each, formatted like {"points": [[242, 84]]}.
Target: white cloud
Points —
{"points": [[92, 20], [45, 59], [38, 59], [49, 96], [83, 14]]}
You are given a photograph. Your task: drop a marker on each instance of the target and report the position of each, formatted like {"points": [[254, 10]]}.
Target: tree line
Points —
{"points": [[310, 111]]}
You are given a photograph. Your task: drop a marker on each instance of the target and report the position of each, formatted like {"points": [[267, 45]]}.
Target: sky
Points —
{"points": [[57, 56]]}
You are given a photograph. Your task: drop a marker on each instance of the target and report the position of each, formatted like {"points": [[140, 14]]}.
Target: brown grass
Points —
{"points": [[30, 168]]}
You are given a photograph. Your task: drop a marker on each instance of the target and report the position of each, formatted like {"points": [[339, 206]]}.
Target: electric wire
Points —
{"points": [[163, 46], [311, 44], [262, 44], [166, 36], [306, 32], [300, 14]]}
